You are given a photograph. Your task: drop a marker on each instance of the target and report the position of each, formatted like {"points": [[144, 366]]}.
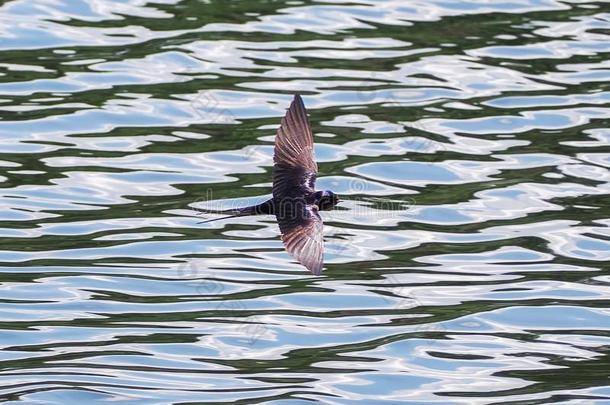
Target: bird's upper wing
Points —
{"points": [[294, 177], [302, 235], [294, 171], [294, 141]]}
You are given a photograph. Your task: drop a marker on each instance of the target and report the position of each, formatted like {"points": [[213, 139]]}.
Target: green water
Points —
{"points": [[468, 263]]}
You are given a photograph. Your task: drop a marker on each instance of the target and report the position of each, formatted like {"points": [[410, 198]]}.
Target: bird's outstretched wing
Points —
{"points": [[294, 177], [294, 142], [294, 170], [302, 235]]}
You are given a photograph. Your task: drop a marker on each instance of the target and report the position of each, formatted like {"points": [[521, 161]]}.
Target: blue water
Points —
{"points": [[468, 263]]}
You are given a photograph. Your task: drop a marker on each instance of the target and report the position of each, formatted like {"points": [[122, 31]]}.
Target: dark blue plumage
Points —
{"points": [[295, 201]]}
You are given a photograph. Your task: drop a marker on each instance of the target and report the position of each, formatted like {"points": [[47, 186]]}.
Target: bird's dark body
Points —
{"points": [[324, 200], [295, 201]]}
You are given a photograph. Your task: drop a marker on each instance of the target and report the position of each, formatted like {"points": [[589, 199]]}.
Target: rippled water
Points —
{"points": [[468, 266]]}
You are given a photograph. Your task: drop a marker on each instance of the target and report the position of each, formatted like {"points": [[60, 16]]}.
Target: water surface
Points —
{"points": [[468, 266]]}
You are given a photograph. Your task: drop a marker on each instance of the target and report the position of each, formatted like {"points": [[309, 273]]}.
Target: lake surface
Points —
{"points": [[467, 265]]}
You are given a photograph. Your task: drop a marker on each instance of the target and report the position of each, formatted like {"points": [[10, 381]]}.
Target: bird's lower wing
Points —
{"points": [[302, 234]]}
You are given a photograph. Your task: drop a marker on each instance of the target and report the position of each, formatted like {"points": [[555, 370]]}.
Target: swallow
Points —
{"points": [[295, 202]]}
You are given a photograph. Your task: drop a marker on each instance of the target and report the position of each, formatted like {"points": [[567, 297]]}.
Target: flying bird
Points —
{"points": [[295, 202]]}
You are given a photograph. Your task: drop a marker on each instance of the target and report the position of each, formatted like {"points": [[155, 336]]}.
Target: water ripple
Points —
{"points": [[468, 262]]}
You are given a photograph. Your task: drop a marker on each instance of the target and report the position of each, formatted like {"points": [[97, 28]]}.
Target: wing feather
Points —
{"points": [[294, 141], [303, 238], [294, 177]]}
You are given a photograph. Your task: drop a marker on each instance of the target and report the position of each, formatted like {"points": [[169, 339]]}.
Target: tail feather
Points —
{"points": [[218, 219], [263, 208], [240, 212]]}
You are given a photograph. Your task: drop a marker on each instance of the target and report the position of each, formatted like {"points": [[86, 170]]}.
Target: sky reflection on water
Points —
{"points": [[467, 266]]}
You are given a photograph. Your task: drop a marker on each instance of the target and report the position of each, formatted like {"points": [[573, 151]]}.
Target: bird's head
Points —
{"points": [[327, 200]]}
